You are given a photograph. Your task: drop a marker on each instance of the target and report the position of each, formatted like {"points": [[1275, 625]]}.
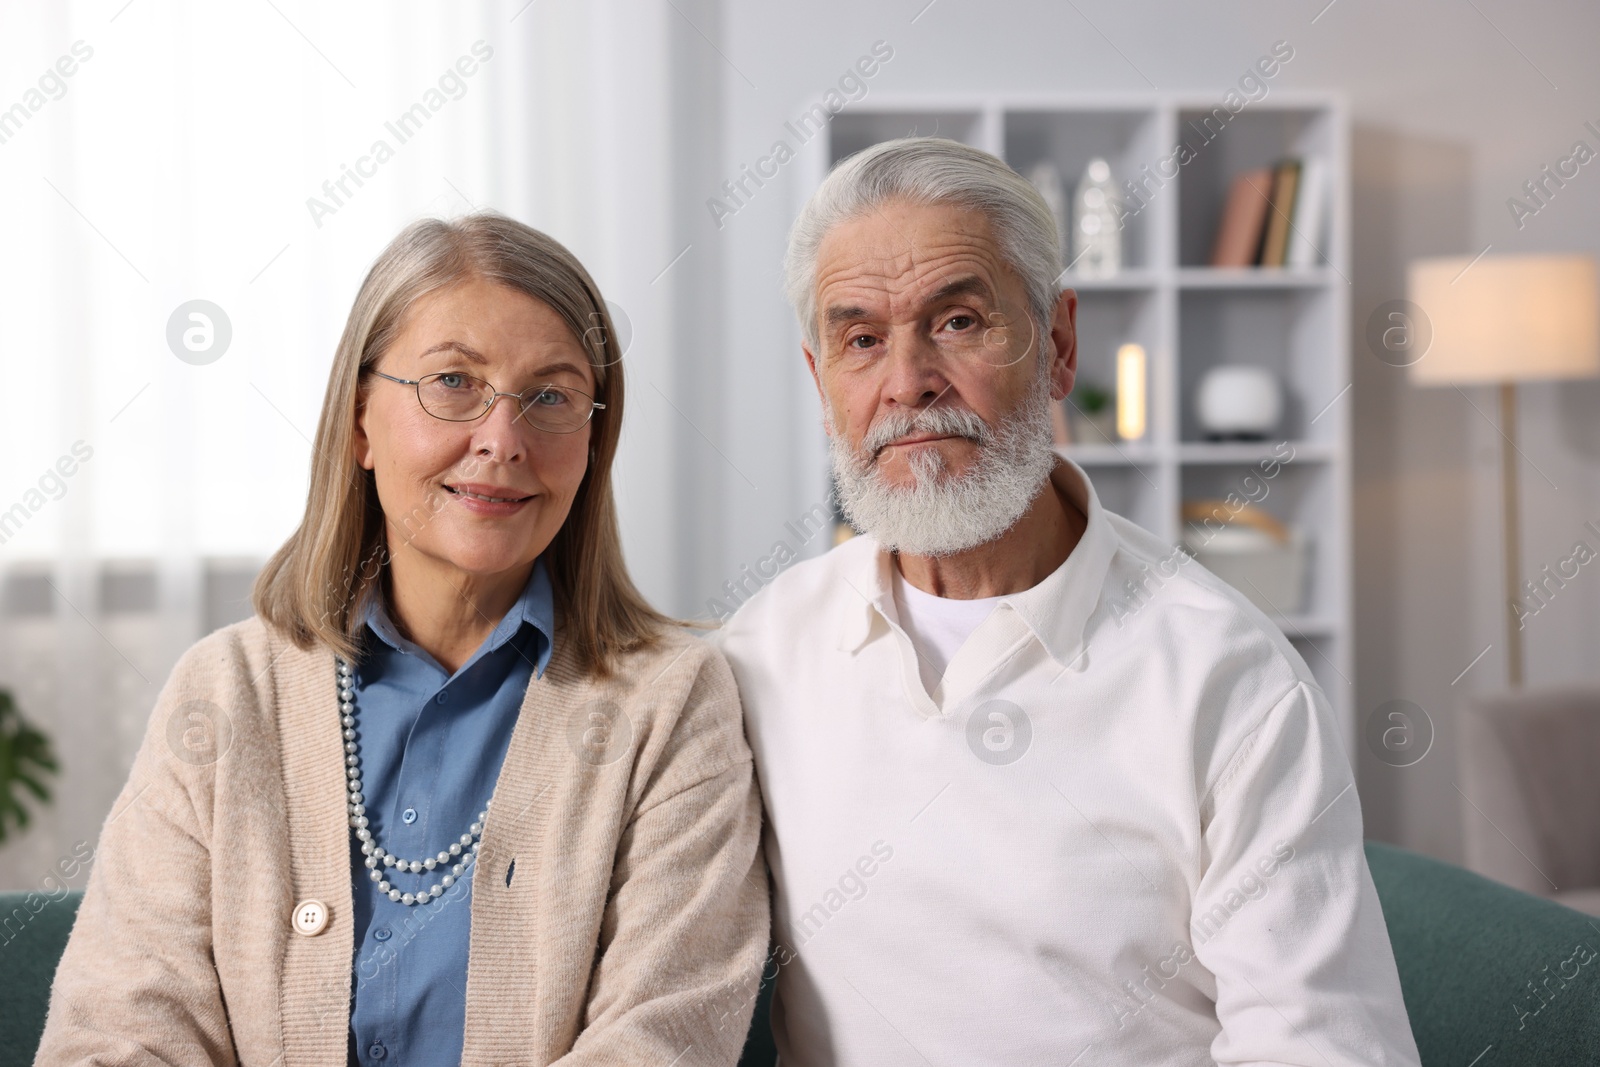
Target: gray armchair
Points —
{"points": [[1530, 779]]}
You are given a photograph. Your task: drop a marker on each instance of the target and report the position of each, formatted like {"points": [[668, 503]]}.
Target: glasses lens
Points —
{"points": [[453, 396], [557, 408]]}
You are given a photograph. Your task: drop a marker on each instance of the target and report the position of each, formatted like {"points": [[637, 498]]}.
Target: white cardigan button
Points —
{"points": [[310, 917]]}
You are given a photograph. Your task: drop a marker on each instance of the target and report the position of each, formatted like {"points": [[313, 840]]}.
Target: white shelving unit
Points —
{"points": [[1188, 316]]}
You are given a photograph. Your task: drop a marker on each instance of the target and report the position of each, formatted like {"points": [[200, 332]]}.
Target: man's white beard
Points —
{"points": [[941, 514]]}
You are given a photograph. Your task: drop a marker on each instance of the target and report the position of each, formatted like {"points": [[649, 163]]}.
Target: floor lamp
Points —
{"points": [[1500, 320]]}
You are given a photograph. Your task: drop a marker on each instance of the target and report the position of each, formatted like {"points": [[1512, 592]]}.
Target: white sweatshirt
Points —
{"points": [[1122, 830]]}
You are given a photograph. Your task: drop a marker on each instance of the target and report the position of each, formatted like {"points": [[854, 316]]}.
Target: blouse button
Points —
{"points": [[408, 816], [311, 917]]}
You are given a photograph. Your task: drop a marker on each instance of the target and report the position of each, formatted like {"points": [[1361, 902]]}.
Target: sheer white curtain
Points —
{"points": [[201, 152]]}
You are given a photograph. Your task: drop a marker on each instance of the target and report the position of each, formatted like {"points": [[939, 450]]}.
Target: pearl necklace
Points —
{"points": [[379, 859]]}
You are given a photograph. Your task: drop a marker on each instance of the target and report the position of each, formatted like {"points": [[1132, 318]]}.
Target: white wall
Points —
{"points": [[1449, 117]]}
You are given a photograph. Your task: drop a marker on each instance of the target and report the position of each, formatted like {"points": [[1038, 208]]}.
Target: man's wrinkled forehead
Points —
{"points": [[904, 258]]}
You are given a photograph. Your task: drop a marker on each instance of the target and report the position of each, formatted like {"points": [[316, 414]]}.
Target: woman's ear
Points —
{"points": [[360, 443]]}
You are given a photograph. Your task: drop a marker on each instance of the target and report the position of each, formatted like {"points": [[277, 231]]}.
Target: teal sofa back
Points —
{"points": [[1491, 976], [33, 933]]}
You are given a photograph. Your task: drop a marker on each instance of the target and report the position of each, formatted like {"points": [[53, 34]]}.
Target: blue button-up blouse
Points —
{"points": [[431, 746]]}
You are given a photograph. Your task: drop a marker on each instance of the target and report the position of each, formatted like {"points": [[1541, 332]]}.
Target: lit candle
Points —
{"points": [[1130, 392]]}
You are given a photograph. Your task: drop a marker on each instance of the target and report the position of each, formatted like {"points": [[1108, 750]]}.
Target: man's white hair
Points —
{"points": [[929, 170]]}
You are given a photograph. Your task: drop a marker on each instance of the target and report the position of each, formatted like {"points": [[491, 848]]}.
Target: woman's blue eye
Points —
{"points": [[550, 398], [452, 381]]}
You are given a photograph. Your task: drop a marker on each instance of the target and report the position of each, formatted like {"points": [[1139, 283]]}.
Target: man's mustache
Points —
{"points": [[896, 425]]}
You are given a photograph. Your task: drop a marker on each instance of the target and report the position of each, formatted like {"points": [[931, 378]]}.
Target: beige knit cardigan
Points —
{"points": [[632, 932]]}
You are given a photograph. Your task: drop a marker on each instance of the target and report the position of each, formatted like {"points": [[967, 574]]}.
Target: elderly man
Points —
{"points": [[1037, 791]]}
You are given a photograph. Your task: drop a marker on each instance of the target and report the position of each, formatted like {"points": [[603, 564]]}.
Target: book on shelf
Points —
{"points": [[1243, 218], [1310, 208], [1275, 241], [1274, 216]]}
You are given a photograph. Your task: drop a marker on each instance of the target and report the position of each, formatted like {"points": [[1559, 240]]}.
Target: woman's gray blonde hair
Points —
{"points": [[316, 587]]}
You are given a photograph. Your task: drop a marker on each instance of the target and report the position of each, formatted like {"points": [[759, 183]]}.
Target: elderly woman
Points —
{"points": [[456, 794]]}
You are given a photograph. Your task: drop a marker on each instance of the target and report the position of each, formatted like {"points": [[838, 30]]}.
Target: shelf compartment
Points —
{"points": [[1286, 330], [1126, 138], [1108, 319], [1298, 495], [1223, 145]]}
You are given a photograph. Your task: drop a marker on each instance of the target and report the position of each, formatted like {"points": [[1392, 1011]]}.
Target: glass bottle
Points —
{"points": [[1096, 233]]}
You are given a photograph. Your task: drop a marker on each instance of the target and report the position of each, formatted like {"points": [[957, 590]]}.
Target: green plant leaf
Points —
{"points": [[26, 760], [1093, 401]]}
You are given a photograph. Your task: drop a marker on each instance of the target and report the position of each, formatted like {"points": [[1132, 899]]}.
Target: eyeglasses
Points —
{"points": [[457, 397]]}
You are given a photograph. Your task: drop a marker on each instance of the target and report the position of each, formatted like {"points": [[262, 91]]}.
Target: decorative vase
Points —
{"points": [[1097, 232], [1237, 401]]}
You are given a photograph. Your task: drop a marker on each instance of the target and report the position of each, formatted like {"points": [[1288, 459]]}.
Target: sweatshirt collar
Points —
{"points": [[1056, 610]]}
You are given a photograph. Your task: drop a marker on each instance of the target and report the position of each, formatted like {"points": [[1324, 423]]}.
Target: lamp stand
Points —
{"points": [[1511, 539]]}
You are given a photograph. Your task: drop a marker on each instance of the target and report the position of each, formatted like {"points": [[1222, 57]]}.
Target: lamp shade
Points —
{"points": [[1507, 318]]}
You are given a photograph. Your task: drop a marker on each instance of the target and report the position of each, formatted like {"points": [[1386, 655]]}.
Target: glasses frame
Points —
{"points": [[488, 405]]}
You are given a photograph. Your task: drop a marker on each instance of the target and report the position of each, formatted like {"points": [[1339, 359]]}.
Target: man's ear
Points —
{"points": [[1064, 336]]}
